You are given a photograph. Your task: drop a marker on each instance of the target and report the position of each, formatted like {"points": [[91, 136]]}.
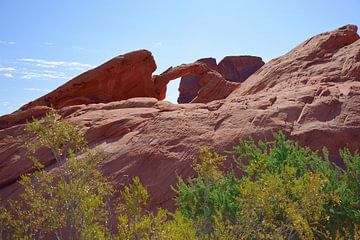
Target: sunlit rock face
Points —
{"points": [[311, 93], [123, 77]]}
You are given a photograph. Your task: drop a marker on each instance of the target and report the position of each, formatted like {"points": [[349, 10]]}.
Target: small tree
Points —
{"points": [[199, 198], [67, 204]]}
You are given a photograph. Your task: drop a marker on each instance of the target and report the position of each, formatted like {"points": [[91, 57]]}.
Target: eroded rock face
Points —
{"points": [[232, 68], [123, 77], [128, 76], [239, 68], [189, 84], [311, 93], [212, 85]]}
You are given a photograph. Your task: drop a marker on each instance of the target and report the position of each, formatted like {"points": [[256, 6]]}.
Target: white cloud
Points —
{"points": [[6, 69], [8, 75], [79, 48], [6, 42], [45, 65], [159, 43], [5, 104], [52, 64], [49, 43], [44, 75], [36, 89]]}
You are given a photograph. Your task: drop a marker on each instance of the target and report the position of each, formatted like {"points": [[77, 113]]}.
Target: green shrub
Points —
{"points": [[287, 192], [68, 204]]}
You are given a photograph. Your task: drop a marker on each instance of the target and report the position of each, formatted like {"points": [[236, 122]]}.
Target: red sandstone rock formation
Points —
{"points": [[212, 85], [128, 76], [122, 77], [311, 93], [189, 84], [232, 68], [239, 68]]}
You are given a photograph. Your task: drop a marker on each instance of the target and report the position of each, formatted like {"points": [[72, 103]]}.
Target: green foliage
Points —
{"points": [[343, 207], [67, 204], [136, 223], [208, 164], [179, 228], [281, 205], [201, 197], [310, 196], [287, 192], [5, 221], [135, 197], [56, 135]]}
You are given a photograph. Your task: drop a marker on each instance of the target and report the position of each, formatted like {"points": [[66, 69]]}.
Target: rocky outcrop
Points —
{"points": [[232, 68], [311, 93], [128, 76], [189, 84], [123, 77], [239, 68], [212, 85]]}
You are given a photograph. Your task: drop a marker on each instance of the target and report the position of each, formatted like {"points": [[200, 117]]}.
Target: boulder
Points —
{"points": [[239, 68]]}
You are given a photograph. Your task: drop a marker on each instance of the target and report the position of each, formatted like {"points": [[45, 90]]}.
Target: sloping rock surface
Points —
{"points": [[311, 93]]}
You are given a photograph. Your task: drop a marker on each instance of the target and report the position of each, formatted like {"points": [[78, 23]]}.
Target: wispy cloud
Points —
{"points": [[43, 75], [79, 48], [7, 69], [5, 104], [49, 43], [53, 64], [8, 75], [83, 49], [36, 89], [6, 42], [159, 43]]}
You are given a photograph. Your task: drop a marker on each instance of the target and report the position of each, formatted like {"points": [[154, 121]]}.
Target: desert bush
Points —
{"points": [[287, 192], [200, 198], [68, 204], [325, 196]]}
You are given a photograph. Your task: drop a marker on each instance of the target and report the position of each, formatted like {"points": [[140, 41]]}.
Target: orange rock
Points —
{"points": [[239, 68], [189, 84], [122, 77], [212, 85], [232, 68]]}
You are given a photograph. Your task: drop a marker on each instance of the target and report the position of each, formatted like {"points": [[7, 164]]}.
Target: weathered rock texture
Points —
{"points": [[239, 68], [212, 84], [122, 77], [189, 84], [311, 93], [232, 68], [130, 75]]}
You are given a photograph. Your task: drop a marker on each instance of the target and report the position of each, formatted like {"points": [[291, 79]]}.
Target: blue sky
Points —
{"points": [[43, 44]]}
